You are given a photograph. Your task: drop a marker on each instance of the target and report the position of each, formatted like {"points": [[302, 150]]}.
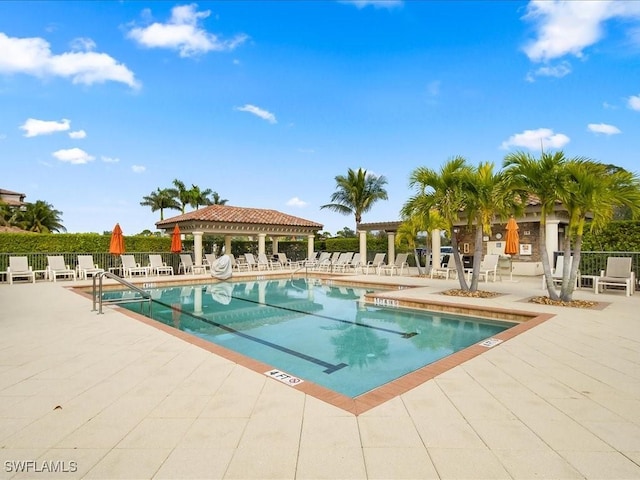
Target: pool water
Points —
{"points": [[320, 333]]}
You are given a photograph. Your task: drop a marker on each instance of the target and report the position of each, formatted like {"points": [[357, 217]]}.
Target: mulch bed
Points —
{"points": [[538, 300]]}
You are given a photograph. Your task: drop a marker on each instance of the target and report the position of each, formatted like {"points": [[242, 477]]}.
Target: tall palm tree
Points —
{"points": [[40, 217], [356, 193], [411, 227], [547, 179], [182, 194], [216, 200], [597, 191], [488, 196], [442, 191], [161, 199], [199, 197]]}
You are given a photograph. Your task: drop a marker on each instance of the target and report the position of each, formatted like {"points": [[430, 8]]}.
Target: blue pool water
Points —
{"points": [[319, 333]]}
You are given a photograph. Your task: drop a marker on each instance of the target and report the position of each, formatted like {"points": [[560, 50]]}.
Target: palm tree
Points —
{"points": [[39, 217], [598, 191], [411, 227], [443, 192], [182, 194], [216, 200], [161, 199], [547, 179], [488, 196], [199, 197], [356, 193]]}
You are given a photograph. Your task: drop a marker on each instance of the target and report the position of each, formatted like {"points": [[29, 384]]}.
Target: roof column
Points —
{"points": [[261, 242], [435, 249], [391, 247], [363, 247], [197, 248], [310, 239], [227, 245]]}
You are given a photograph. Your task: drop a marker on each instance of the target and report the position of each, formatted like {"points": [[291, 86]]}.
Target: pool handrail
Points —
{"points": [[97, 296]]}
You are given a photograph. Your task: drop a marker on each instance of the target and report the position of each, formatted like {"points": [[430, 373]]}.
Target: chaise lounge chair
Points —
{"points": [[376, 263], [488, 267], [130, 267], [87, 267], [397, 266], [617, 274], [57, 268], [159, 267], [19, 268]]}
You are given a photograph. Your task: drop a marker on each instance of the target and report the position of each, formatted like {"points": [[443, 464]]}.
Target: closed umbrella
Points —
{"points": [[176, 240], [116, 246], [512, 242]]}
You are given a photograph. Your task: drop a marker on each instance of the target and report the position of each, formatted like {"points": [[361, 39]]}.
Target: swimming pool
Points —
{"points": [[316, 332]]}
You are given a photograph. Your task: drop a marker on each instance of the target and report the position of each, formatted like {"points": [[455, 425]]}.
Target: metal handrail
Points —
{"points": [[97, 296]]}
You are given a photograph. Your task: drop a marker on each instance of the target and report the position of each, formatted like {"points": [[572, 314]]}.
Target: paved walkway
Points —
{"points": [[107, 396]]}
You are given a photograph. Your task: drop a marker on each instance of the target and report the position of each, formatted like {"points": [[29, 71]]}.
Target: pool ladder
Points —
{"points": [[97, 292]]}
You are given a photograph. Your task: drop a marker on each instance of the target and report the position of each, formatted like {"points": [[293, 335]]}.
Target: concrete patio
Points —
{"points": [[108, 396]]}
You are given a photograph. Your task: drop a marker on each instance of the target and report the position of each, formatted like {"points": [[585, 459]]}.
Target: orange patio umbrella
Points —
{"points": [[117, 241], [176, 240], [511, 242]]}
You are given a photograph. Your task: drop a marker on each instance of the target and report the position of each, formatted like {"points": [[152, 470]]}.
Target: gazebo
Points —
{"points": [[231, 221]]}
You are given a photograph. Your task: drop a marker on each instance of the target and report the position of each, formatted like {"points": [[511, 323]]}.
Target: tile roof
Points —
{"points": [[240, 215]]}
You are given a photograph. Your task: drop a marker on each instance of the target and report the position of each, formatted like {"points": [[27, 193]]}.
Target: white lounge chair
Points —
{"points": [[343, 261], [57, 268], [187, 265], [444, 271], [558, 271], [209, 260], [355, 263], [323, 261], [251, 261], [19, 268], [130, 267], [488, 267], [288, 263], [617, 274], [87, 267], [264, 263], [158, 266], [397, 266], [376, 263]]}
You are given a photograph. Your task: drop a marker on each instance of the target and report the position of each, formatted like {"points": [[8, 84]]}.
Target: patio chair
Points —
{"points": [[87, 267], [57, 268], [343, 261], [158, 266], [264, 263], [354, 264], [444, 271], [239, 264], [19, 268], [558, 271], [376, 263], [209, 260], [130, 267], [251, 261], [323, 261], [311, 261], [397, 266], [617, 274], [488, 267], [187, 265], [288, 263]]}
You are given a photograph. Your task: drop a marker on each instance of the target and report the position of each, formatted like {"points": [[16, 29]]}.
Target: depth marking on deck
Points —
{"points": [[490, 342], [284, 377]]}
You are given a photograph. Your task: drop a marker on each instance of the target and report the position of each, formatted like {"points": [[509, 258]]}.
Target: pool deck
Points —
{"points": [[108, 396]]}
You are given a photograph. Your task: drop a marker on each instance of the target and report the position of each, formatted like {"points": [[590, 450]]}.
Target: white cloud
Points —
{"points": [[603, 128], [558, 71], [634, 102], [109, 159], [78, 134], [32, 56], [138, 169], [34, 127], [536, 139], [259, 112], [296, 202], [75, 156], [183, 33], [568, 27], [360, 4]]}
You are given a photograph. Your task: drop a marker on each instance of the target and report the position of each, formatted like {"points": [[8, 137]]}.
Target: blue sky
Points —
{"points": [[266, 102]]}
